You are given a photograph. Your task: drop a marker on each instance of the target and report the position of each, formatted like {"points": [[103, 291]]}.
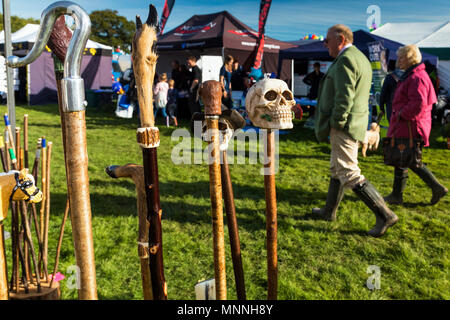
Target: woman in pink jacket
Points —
{"points": [[413, 101]]}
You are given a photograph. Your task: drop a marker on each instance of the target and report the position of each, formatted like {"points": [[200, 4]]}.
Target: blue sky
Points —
{"points": [[288, 20]]}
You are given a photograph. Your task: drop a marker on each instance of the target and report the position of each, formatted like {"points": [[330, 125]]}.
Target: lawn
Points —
{"points": [[317, 259]]}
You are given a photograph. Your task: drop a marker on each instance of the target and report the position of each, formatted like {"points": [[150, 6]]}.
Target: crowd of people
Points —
{"points": [[187, 78]]}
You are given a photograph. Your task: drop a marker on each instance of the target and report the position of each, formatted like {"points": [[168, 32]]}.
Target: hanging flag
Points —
{"points": [[263, 13], [165, 14]]}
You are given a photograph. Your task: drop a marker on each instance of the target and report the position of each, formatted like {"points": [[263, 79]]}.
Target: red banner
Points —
{"points": [[263, 13], [165, 14]]}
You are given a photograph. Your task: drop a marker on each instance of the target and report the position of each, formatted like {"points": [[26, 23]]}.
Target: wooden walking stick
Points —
{"points": [[73, 107], [233, 233], [25, 139], [229, 121], [136, 173], [268, 104], [211, 94], [144, 63], [46, 205], [44, 196]]}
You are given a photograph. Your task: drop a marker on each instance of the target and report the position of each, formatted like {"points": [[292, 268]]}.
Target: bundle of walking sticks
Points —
{"points": [[29, 273]]}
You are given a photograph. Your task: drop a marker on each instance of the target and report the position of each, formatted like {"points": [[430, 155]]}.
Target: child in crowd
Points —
{"points": [[160, 94], [172, 99]]}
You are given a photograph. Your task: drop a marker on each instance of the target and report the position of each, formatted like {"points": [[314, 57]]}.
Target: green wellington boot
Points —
{"points": [[400, 179], [334, 197], [437, 189], [385, 218]]}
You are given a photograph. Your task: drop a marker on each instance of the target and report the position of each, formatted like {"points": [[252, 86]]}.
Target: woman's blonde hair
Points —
{"points": [[163, 77], [411, 53]]}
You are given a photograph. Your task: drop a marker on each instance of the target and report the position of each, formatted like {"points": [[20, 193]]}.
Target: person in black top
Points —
{"points": [[237, 77], [313, 79], [177, 75], [388, 90], [194, 81]]}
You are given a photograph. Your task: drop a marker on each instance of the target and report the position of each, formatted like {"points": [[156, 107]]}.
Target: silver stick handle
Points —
{"points": [[72, 84]]}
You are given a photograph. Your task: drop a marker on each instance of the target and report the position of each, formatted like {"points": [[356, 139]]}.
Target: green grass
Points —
{"points": [[317, 260]]}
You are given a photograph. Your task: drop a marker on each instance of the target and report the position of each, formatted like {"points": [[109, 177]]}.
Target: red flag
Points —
{"points": [[165, 14], [263, 13]]}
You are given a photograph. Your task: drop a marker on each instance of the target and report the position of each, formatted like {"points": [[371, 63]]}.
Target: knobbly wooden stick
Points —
{"points": [[136, 173], [211, 94], [44, 197], [47, 208], [144, 64], [74, 140], [271, 216], [25, 139], [233, 233]]}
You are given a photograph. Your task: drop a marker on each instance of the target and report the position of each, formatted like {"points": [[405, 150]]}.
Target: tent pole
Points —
{"points": [[9, 70]]}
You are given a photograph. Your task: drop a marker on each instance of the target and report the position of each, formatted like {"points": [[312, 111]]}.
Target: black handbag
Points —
{"points": [[403, 152]]}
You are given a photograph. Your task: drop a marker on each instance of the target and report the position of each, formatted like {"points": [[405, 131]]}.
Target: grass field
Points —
{"points": [[317, 259]]}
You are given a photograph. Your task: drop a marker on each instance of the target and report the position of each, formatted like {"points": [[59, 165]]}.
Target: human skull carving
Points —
{"points": [[269, 103]]}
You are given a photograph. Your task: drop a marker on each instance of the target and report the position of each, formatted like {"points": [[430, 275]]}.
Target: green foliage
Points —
{"points": [[111, 29], [18, 22], [317, 259]]}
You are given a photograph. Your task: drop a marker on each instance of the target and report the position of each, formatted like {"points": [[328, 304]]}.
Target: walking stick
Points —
{"points": [[144, 63], [25, 139], [268, 104], [211, 94], [229, 121], [58, 42], [233, 233], [74, 105], [136, 173]]}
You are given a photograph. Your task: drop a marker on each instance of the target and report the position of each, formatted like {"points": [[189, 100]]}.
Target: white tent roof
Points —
{"points": [[423, 34], [29, 34]]}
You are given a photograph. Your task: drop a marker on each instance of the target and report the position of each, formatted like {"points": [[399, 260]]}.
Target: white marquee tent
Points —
{"points": [[431, 37]]}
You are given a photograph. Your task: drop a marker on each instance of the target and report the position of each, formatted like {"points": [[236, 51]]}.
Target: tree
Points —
{"points": [[111, 29], [17, 22]]}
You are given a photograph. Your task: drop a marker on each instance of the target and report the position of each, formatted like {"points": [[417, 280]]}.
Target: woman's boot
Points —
{"points": [[400, 178], [334, 197], [385, 218], [437, 189]]}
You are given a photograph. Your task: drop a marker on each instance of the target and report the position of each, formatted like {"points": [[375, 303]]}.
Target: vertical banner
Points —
{"points": [[168, 5], [378, 60], [263, 13]]}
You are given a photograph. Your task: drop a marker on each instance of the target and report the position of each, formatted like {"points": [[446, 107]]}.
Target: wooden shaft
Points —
{"points": [[158, 283], [233, 232], [7, 159], [43, 185], [78, 186], [58, 248], [22, 263], [43, 202], [17, 149], [14, 285], [25, 139], [47, 208], [271, 216], [215, 189], [59, 74], [3, 271], [2, 153], [29, 240]]}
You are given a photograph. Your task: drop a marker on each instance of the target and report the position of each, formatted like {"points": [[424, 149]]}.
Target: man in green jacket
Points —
{"points": [[342, 114]]}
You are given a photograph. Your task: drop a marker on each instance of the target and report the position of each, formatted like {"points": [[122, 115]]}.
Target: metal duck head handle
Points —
{"points": [[72, 85]]}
